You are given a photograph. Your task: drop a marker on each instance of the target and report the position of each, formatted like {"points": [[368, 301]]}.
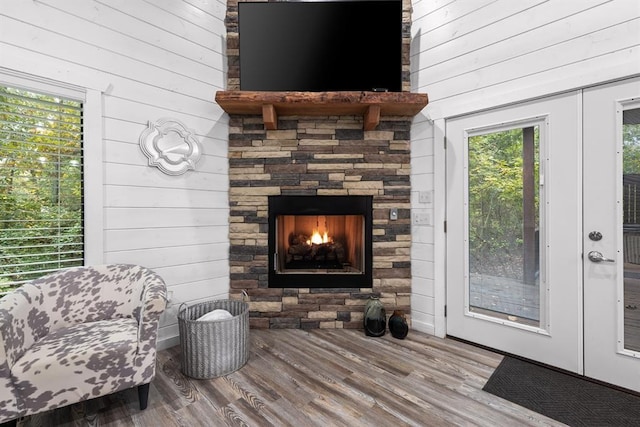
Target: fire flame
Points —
{"points": [[317, 239]]}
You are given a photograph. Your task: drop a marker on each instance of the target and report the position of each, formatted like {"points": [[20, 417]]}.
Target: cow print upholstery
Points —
{"points": [[78, 334]]}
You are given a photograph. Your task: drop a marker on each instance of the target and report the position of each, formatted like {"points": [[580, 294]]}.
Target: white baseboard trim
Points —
{"points": [[419, 326]]}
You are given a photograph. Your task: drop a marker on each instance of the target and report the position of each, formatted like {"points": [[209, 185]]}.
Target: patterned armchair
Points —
{"points": [[78, 334]]}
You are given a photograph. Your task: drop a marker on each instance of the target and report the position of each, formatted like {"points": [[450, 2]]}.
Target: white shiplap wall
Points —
{"points": [[150, 60], [473, 55]]}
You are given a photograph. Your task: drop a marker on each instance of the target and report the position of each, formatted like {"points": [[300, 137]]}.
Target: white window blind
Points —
{"points": [[41, 185]]}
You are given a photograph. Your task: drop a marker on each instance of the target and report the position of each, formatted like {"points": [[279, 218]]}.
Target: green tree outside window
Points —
{"points": [[41, 168]]}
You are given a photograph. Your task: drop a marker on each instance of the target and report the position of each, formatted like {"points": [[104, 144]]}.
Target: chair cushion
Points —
{"points": [[76, 363]]}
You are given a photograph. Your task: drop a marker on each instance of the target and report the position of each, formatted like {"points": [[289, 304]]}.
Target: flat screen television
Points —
{"points": [[319, 46]]}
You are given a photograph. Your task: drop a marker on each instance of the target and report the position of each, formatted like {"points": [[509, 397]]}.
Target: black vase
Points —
{"points": [[398, 325], [375, 318]]}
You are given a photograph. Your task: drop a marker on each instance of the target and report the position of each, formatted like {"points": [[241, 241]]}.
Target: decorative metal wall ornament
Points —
{"points": [[170, 146]]}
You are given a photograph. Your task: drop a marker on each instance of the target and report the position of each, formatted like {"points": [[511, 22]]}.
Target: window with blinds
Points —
{"points": [[41, 190]]}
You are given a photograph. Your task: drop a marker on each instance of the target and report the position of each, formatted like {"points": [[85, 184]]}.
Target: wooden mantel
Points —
{"points": [[371, 105]]}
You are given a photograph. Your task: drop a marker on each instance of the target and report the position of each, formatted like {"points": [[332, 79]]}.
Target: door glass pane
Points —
{"points": [[631, 226], [504, 225]]}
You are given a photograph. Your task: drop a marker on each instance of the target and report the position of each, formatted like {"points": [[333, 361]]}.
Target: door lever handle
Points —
{"points": [[596, 256]]}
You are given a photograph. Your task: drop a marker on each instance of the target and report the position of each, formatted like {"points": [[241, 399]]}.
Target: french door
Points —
{"points": [[541, 259], [611, 235]]}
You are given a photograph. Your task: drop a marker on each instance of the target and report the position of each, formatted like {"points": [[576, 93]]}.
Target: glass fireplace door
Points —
{"points": [[320, 244], [320, 241]]}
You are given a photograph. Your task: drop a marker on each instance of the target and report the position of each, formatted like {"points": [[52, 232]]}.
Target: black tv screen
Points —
{"points": [[321, 46]]}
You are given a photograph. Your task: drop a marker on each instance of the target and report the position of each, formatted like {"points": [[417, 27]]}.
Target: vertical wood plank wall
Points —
{"points": [[474, 55], [151, 60]]}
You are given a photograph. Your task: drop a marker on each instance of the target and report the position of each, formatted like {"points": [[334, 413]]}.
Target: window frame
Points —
{"points": [[92, 147]]}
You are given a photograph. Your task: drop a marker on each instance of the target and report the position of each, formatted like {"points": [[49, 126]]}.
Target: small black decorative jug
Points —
{"points": [[398, 325], [375, 318]]}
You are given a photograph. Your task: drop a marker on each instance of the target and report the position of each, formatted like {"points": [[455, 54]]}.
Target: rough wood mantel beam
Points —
{"points": [[369, 104]]}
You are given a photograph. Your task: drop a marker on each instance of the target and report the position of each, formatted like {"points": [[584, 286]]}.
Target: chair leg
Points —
{"points": [[143, 395]]}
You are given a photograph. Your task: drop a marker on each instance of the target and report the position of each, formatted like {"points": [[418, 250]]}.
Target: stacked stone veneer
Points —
{"points": [[318, 156]]}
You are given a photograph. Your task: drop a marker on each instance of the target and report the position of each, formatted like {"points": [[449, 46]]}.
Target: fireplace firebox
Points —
{"points": [[320, 241]]}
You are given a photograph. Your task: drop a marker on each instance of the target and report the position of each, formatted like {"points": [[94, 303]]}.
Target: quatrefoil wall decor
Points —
{"points": [[170, 146]]}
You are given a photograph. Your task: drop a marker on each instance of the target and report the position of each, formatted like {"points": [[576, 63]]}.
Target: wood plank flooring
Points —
{"points": [[322, 377]]}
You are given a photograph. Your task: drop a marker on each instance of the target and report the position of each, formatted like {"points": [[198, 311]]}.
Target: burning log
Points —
{"points": [[297, 239], [300, 250]]}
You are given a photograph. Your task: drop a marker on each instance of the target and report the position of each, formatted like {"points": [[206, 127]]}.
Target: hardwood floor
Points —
{"points": [[322, 377]]}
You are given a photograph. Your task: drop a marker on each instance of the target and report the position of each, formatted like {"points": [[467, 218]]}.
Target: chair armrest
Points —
{"points": [[6, 341], [153, 304], [22, 322]]}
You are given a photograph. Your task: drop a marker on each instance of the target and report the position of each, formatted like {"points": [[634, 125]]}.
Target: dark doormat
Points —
{"points": [[563, 397]]}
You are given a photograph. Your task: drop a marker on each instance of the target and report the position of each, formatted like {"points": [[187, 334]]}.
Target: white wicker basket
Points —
{"points": [[213, 348]]}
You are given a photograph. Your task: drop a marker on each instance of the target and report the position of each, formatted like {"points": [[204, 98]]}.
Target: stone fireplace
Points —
{"points": [[319, 157], [311, 152]]}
